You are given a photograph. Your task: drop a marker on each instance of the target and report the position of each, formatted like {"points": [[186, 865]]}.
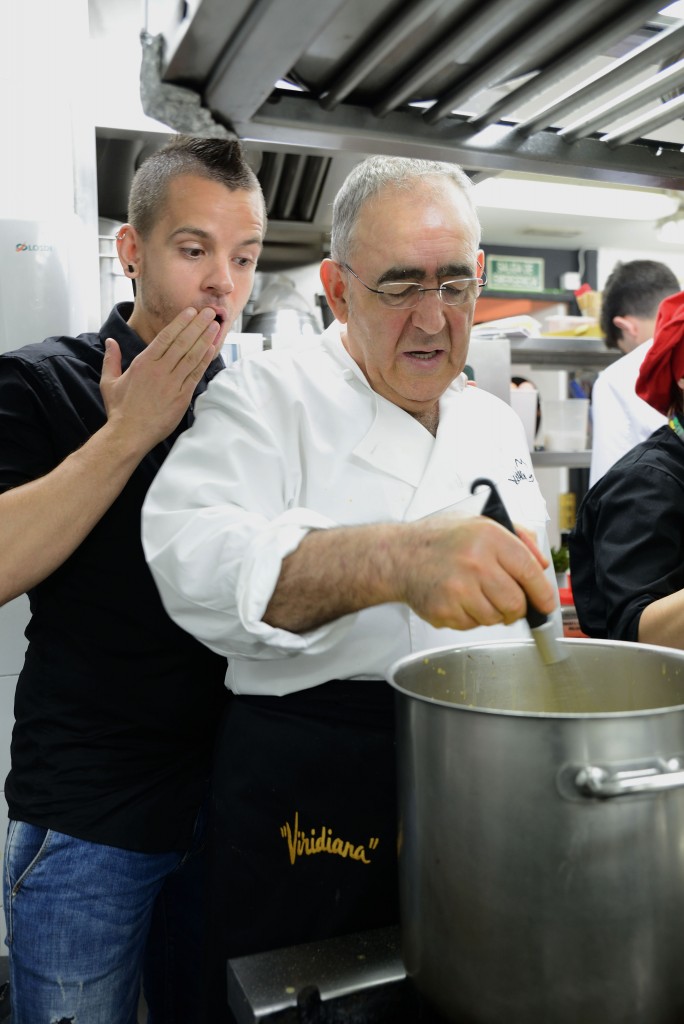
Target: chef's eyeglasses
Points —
{"points": [[407, 294]]}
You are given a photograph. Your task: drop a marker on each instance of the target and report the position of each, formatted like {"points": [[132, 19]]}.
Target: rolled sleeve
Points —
{"points": [[217, 523], [258, 578]]}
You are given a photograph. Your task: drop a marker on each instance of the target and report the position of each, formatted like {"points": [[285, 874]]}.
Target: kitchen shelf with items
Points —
{"points": [[580, 353], [565, 428], [574, 352], [577, 356], [554, 350], [551, 367], [568, 359]]}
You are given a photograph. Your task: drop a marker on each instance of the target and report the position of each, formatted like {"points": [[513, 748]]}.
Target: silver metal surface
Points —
{"points": [[527, 47], [338, 79], [604, 781], [262, 50], [564, 353], [547, 641], [645, 123], [625, 20], [295, 122], [267, 983], [633, 99], [373, 53], [523, 899], [570, 460], [470, 41], [651, 53]]}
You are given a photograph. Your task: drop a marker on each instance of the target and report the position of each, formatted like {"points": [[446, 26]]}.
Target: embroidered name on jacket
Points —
{"points": [[522, 474], [302, 844]]}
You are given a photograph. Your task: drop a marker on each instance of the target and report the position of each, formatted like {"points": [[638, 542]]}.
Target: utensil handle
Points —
{"points": [[495, 509]]}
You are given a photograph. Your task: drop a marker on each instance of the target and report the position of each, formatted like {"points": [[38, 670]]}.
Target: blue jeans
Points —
{"points": [[86, 921]]}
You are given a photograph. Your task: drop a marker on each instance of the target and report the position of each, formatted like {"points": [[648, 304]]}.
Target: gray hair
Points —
{"points": [[376, 173]]}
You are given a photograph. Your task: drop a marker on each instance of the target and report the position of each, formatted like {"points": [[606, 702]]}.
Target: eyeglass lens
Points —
{"points": [[405, 295]]}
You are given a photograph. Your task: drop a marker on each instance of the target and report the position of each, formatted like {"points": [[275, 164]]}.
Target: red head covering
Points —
{"points": [[663, 364]]}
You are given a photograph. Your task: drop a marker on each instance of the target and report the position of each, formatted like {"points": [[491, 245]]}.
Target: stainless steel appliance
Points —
{"points": [[577, 89]]}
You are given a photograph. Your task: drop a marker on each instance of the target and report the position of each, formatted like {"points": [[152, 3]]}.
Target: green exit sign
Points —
{"points": [[515, 273]]}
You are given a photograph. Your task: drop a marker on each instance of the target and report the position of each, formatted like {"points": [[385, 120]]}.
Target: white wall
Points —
{"points": [[671, 256], [48, 182], [47, 177]]}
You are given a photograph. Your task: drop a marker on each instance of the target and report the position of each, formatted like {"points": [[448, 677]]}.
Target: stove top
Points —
{"points": [[355, 979]]}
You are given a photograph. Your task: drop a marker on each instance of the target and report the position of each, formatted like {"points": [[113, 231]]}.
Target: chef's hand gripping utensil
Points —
{"points": [[541, 627]]}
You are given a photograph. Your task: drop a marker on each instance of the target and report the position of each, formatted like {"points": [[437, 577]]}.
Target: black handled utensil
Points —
{"points": [[541, 627]]}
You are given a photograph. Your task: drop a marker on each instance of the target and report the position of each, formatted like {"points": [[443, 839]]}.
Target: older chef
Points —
{"points": [[316, 523]]}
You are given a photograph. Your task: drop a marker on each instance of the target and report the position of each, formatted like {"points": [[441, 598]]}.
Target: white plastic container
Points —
{"points": [[564, 424]]}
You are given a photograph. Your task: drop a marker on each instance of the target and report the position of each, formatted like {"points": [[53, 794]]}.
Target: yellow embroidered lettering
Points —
{"points": [[291, 836], [299, 844]]}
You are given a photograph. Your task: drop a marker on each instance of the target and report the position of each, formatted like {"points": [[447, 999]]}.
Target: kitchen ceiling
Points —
{"points": [[580, 90]]}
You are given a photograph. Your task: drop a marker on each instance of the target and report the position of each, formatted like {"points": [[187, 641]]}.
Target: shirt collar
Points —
{"points": [[116, 326]]}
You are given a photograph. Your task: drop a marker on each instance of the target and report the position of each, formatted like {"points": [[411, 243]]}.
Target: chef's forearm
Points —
{"points": [[334, 573], [457, 573]]}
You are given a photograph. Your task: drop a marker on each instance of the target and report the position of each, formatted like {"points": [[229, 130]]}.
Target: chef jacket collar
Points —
{"points": [[396, 443]]}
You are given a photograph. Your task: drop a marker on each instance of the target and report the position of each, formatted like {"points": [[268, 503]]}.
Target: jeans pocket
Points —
{"points": [[26, 845]]}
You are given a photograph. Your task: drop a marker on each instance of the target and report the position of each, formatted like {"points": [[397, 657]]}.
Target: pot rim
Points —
{"points": [[671, 653]]}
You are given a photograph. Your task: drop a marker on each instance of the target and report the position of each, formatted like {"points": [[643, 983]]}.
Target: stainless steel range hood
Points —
{"points": [[579, 89]]}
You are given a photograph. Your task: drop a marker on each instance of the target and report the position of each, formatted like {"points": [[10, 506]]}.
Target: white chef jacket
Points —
{"points": [[295, 440], [619, 418]]}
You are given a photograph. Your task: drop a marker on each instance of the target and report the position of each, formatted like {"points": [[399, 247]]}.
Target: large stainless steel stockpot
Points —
{"points": [[542, 832]]}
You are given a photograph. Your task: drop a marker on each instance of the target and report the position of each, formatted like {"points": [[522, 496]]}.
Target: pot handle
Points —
{"points": [[604, 781]]}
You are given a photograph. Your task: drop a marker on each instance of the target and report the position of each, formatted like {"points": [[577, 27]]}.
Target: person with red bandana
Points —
{"points": [[627, 548]]}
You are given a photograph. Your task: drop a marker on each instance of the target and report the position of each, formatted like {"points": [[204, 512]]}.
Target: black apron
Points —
{"points": [[305, 817]]}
